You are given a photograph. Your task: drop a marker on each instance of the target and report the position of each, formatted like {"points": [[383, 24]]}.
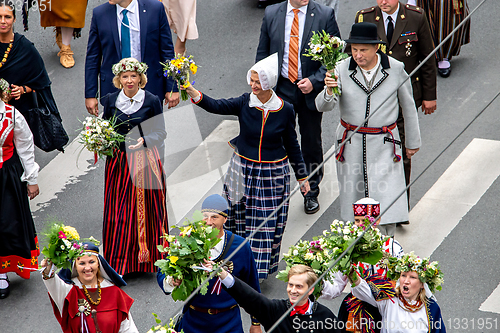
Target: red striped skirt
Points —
{"points": [[135, 212]]}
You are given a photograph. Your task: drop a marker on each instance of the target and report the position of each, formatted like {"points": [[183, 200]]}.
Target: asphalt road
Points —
{"points": [[229, 33]]}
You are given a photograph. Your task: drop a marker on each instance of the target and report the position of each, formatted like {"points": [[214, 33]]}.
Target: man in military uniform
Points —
{"points": [[406, 32]]}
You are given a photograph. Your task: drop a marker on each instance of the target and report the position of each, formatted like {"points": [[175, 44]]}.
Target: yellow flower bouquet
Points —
{"points": [[186, 253], [179, 69]]}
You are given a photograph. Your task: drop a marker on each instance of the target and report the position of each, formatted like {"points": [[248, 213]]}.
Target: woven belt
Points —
{"points": [[367, 130], [211, 311]]}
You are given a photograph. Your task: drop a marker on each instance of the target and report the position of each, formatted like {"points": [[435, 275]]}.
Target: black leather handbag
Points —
{"points": [[48, 131]]}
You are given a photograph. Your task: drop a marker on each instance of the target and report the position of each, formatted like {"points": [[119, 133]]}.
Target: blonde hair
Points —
{"points": [[301, 269]]}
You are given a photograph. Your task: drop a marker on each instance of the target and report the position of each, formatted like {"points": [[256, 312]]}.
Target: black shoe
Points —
{"points": [[444, 72], [5, 291], [311, 205]]}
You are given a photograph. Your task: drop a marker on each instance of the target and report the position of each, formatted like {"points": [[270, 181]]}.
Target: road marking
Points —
{"points": [[198, 174], [492, 303], [457, 190], [60, 172]]}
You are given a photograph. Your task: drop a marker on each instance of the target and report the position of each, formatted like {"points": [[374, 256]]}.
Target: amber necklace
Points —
{"points": [[96, 303], [6, 54], [409, 307]]}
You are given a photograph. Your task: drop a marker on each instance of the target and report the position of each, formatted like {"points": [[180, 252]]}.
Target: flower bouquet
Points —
{"points": [[329, 50], [64, 245], [179, 69], [100, 136], [312, 254], [367, 250], [166, 328], [428, 272], [186, 253]]}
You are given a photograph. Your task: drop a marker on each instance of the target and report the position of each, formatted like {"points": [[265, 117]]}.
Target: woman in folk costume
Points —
{"points": [[363, 208], [135, 212], [19, 248], [68, 18], [258, 176], [444, 16], [23, 67], [88, 299], [369, 163], [413, 308]]}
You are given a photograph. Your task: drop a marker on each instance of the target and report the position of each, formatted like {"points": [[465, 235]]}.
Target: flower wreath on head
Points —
{"points": [[428, 272], [129, 65], [4, 85]]}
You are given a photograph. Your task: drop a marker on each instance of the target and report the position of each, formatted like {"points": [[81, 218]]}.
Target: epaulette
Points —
{"points": [[360, 13], [415, 9]]}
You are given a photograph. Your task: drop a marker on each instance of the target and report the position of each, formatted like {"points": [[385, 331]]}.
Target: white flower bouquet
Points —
{"points": [[100, 136], [329, 50]]}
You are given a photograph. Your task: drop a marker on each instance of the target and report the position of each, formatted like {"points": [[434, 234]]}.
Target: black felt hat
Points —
{"points": [[364, 33]]}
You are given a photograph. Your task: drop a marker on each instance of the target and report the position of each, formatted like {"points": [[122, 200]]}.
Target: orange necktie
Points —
{"points": [[293, 52]]}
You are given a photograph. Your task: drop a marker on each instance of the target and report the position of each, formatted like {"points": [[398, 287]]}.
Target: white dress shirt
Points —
{"points": [[129, 105], [394, 18], [134, 27], [288, 27], [23, 142]]}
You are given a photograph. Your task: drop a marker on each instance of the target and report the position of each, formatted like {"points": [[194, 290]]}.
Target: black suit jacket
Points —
{"points": [[272, 40]]}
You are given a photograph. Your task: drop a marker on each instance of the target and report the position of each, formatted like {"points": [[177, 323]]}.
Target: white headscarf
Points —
{"points": [[267, 69]]}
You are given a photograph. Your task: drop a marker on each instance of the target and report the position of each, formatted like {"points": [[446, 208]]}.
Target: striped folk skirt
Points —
{"points": [[135, 212], [444, 16], [254, 190]]}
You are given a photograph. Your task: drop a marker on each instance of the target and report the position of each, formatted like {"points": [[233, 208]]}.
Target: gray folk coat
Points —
{"points": [[369, 168]]}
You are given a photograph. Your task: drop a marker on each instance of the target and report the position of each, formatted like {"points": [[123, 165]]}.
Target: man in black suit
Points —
{"points": [[300, 81]]}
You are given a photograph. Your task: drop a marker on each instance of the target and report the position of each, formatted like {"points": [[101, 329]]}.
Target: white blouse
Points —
{"points": [[58, 290], [23, 141], [274, 103], [129, 105], [394, 317]]}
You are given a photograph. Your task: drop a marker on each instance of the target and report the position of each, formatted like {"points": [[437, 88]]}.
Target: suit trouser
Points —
{"points": [[406, 160], [309, 128]]}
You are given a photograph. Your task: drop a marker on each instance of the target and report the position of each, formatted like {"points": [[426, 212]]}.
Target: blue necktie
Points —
{"points": [[125, 35]]}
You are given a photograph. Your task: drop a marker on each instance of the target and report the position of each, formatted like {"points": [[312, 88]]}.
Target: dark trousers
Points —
{"points": [[309, 128], [406, 160]]}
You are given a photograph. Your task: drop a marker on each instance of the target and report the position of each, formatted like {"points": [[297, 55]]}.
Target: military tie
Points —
{"points": [[293, 51], [125, 31], [390, 30]]}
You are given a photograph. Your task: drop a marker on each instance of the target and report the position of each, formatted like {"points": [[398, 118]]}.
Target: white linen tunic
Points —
{"points": [[394, 317]]}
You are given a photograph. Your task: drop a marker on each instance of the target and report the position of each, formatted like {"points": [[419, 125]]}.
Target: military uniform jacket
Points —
{"points": [[411, 43]]}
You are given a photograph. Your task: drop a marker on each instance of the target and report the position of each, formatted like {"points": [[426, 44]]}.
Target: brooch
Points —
{"points": [[83, 306]]}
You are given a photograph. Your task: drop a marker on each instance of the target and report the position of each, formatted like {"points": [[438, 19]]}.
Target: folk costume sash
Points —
{"points": [[367, 130], [7, 123], [142, 158]]}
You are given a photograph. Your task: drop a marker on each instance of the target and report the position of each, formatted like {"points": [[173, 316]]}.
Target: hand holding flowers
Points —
{"points": [[64, 245], [329, 50], [100, 136], [180, 69], [185, 253]]}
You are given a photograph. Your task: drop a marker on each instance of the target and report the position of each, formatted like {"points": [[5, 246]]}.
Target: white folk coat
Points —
{"points": [[369, 168]]}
